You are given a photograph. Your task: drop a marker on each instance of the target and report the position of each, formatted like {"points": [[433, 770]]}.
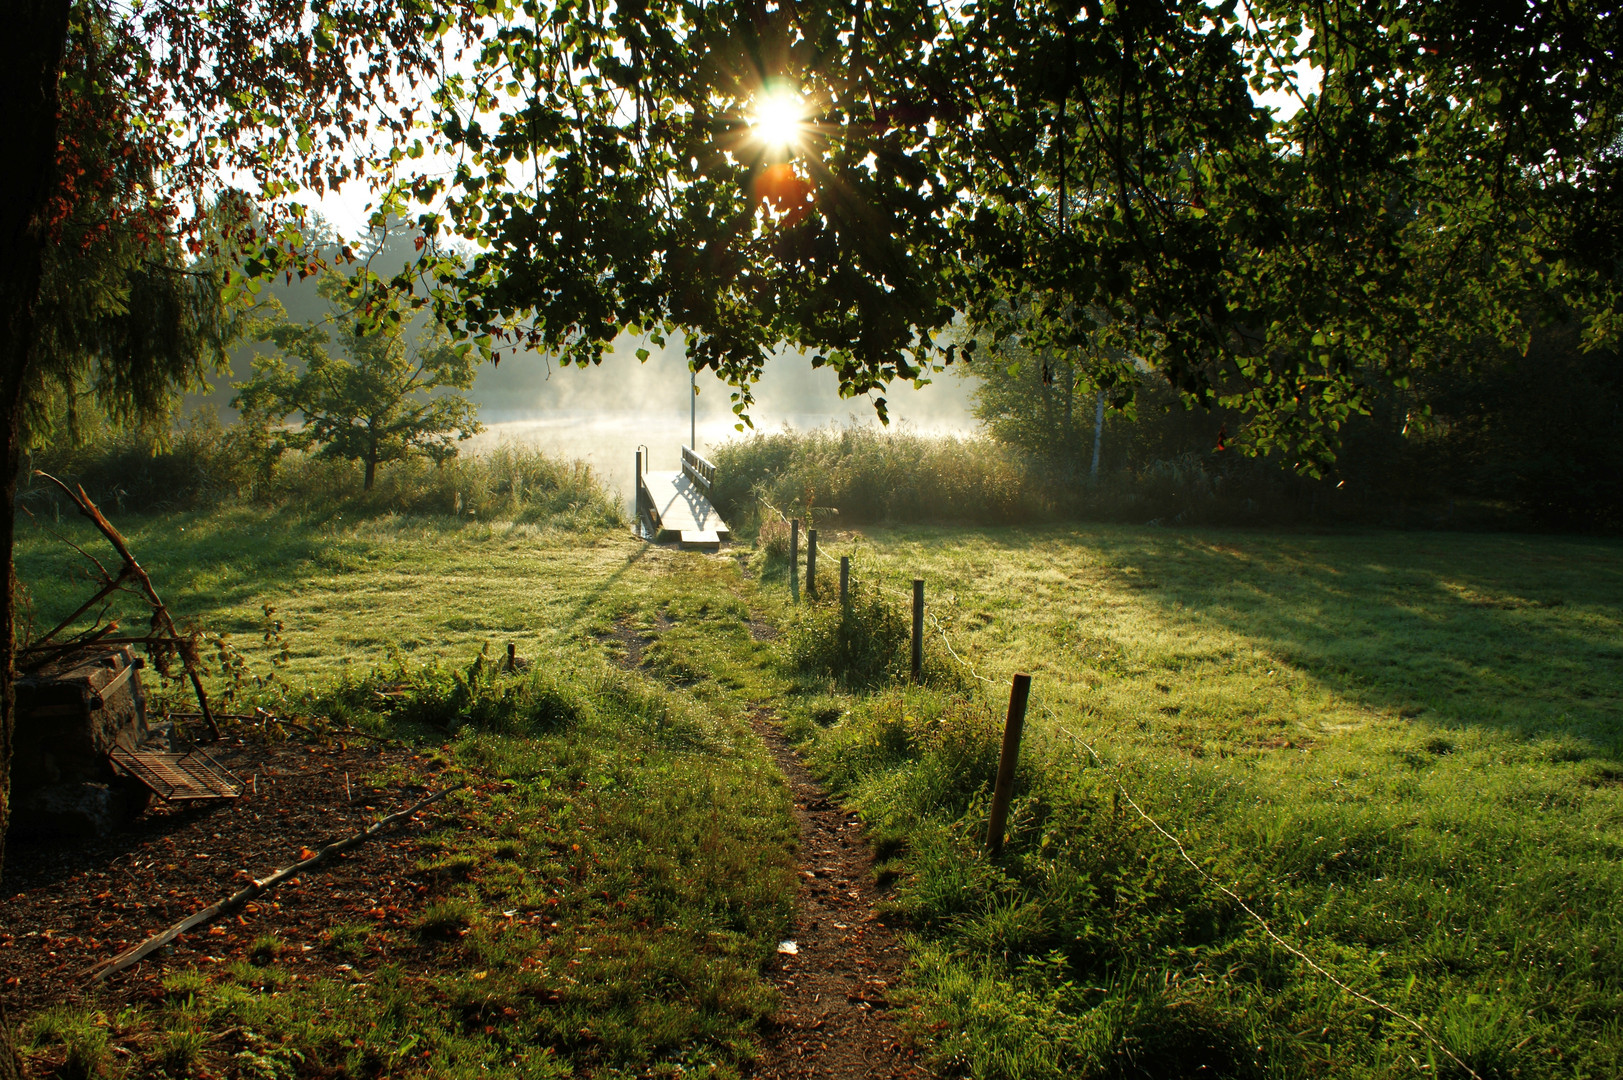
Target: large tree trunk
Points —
{"points": [[30, 61]]}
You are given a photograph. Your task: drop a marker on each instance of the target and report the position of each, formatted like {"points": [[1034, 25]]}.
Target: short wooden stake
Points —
{"points": [[794, 559], [811, 564], [845, 580], [918, 629], [1019, 693], [512, 657]]}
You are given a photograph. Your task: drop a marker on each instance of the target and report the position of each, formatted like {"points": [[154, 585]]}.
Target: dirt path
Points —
{"points": [[835, 1021]]}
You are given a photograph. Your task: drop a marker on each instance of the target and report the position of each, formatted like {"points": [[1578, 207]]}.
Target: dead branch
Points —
{"points": [[132, 568], [136, 953], [144, 639], [106, 591], [54, 652], [263, 717]]}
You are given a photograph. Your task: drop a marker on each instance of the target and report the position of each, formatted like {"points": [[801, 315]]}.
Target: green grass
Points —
{"points": [[354, 593], [1402, 749], [601, 899]]}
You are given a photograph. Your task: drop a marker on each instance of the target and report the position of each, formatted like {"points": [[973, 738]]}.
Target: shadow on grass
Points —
{"points": [[1511, 633], [1516, 633]]}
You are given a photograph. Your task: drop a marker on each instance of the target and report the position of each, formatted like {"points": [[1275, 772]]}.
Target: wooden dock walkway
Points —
{"points": [[676, 505]]}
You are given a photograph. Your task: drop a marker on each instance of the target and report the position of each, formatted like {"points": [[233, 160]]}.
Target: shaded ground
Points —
{"points": [[835, 1020], [69, 905]]}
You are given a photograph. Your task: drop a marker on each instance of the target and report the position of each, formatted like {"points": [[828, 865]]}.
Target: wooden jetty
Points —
{"points": [[676, 505]]}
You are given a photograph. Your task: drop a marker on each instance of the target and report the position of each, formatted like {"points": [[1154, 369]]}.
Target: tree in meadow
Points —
{"points": [[386, 393]]}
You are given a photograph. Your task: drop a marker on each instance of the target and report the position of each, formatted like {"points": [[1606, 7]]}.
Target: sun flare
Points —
{"points": [[779, 119]]}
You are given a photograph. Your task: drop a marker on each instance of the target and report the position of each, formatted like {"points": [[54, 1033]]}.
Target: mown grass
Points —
{"points": [[601, 899], [1402, 750]]}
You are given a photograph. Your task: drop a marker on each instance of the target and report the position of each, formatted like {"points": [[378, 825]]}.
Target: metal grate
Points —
{"points": [[173, 777]]}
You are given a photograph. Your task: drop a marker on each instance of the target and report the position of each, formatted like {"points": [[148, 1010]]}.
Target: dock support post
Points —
{"points": [[845, 580], [918, 629], [1019, 693], [794, 559], [811, 564]]}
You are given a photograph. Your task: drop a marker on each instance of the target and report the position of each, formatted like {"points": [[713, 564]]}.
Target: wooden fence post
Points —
{"points": [[794, 559], [845, 580], [1019, 693], [918, 629], [811, 564]]}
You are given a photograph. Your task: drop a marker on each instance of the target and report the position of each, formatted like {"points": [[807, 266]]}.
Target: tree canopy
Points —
{"points": [[1104, 170]]}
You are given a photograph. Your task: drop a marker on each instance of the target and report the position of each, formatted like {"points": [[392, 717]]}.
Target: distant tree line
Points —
{"points": [[1496, 437]]}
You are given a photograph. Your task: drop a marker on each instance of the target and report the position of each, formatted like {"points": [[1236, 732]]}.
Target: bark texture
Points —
{"points": [[30, 62]]}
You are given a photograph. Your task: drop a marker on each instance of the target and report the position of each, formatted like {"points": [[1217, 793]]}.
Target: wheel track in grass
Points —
{"points": [[836, 1019]]}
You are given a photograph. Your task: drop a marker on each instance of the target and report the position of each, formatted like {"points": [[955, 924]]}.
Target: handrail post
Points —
{"points": [[636, 494]]}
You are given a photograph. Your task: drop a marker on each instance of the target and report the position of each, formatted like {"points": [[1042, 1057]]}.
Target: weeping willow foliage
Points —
{"points": [[128, 319]]}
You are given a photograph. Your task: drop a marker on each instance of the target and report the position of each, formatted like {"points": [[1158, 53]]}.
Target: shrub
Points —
{"points": [[482, 695], [203, 465], [863, 475], [446, 918], [773, 539], [265, 949], [83, 1036], [178, 1051], [197, 465], [860, 643]]}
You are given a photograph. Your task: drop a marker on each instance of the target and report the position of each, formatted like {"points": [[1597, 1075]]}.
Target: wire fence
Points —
{"points": [[1267, 928]]}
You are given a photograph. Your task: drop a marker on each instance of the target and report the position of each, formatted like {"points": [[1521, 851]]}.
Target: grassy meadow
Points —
{"points": [[1402, 750], [645, 821]]}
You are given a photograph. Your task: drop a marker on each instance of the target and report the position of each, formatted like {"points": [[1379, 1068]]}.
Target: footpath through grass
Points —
{"points": [[1401, 749]]}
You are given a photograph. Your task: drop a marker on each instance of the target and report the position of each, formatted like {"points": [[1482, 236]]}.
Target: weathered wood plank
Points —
{"points": [[679, 505]]}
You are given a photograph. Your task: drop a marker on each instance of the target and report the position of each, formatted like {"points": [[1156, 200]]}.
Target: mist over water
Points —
{"points": [[601, 415]]}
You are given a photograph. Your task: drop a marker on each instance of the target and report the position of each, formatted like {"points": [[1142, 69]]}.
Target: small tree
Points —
{"points": [[376, 401]]}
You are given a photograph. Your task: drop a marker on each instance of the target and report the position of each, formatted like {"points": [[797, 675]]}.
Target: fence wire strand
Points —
{"points": [[1273, 935], [1267, 928]]}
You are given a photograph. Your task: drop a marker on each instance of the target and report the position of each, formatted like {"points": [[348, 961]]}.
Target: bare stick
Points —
{"points": [[40, 657], [146, 639], [107, 590], [136, 953], [134, 569]]}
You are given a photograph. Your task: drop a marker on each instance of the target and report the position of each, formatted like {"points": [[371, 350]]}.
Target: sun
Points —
{"points": [[779, 119]]}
